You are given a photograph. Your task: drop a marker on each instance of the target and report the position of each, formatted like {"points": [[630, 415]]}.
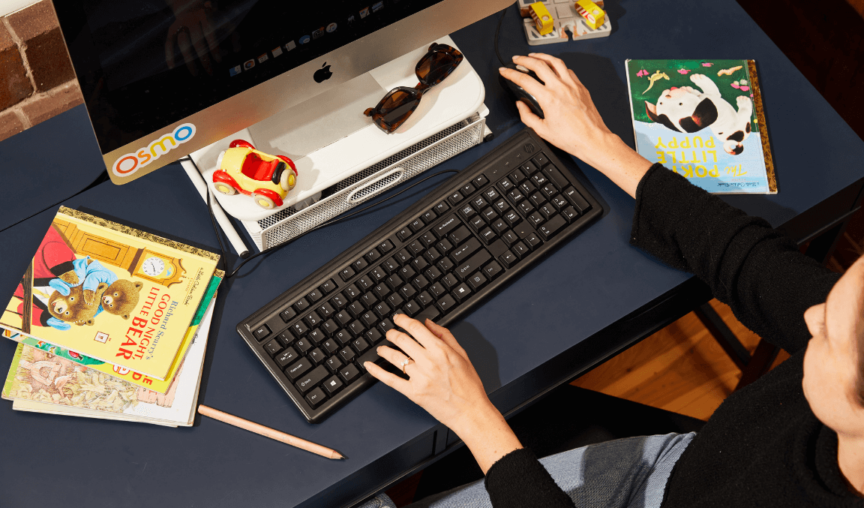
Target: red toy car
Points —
{"points": [[267, 178]]}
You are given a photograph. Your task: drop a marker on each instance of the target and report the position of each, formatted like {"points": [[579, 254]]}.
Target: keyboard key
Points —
{"points": [[395, 300], [460, 235], [369, 318], [420, 282], [360, 345], [311, 379], [455, 198], [357, 328], [489, 214], [378, 273], [505, 185], [446, 303], [477, 223], [301, 305], [527, 187], [444, 246], [536, 219], [366, 282], [315, 397], [537, 199], [316, 336], [385, 247], [385, 326], [548, 210], [286, 338], [487, 235], [369, 299], [473, 264], [450, 281], [356, 309], [539, 180], [479, 203], [577, 200], [428, 238], [445, 226], [529, 168], [438, 290], [299, 329], [499, 226], [391, 265], [492, 270], [303, 345], [373, 335], [416, 225], [419, 264], [549, 190], [312, 319], [517, 176], [288, 314], [404, 234], [402, 256], [261, 332], [425, 299], [343, 337], [467, 189], [459, 254], [520, 250], [333, 364], [525, 208], [480, 181], [328, 287], [553, 226], [331, 346], [509, 238], [491, 194], [352, 293], [441, 207], [298, 368], [476, 281], [467, 211], [416, 247], [359, 265], [570, 214], [343, 317], [532, 241], [372, 256], [411, 308], [347, 355], [445, 265], [501, 206], [430, 313], [541, 160], [395, 281], [286, 357], [515, 196], [407, 292], [381, 309], [339, 301], [381, 291], [556, 177], [512, 218], [317, 356], [349, 373], [273, 347], [432, 273], [332, 385], [429, 216], [508, 259]]}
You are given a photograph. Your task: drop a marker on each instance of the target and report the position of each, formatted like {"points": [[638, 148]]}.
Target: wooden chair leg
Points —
{"points": [[759, 363]]}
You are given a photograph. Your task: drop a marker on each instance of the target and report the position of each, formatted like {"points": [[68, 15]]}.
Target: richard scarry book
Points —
{"points": [[703, 119], [111, 292]]}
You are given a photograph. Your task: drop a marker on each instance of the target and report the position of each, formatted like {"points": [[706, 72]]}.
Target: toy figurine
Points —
{"points": [[244, 169]]}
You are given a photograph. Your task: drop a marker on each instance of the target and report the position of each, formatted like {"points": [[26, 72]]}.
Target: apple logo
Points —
{"points": [[322, 74]]}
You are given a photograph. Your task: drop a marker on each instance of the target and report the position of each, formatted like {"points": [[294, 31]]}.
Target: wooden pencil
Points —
{"points": [[271, 433]]}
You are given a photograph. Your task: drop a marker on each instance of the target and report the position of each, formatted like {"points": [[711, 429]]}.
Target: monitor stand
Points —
{"points": [[330, 140]]}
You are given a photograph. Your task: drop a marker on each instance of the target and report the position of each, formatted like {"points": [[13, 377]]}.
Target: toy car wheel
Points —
{"points": [[263, 201], [287, 181], [224, 188]]}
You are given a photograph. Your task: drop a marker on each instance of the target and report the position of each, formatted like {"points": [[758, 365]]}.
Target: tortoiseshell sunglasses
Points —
{"points": [[399, 103]]}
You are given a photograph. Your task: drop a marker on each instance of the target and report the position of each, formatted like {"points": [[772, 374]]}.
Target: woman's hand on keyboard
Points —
{"points": [[572, 122], [442, 380]]}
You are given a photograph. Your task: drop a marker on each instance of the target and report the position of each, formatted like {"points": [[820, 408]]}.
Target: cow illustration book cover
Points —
{"points": [[704, 120], [111, 292]]}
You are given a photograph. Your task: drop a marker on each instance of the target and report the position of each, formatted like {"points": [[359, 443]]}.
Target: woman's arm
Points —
{"points": [[756, 270]]}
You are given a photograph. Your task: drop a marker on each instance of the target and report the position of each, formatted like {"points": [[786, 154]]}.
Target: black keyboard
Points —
{"points": [[437, 260]]}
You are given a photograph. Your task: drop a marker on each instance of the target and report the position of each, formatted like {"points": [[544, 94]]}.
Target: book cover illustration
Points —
{"points": [[156, 385], [110, 292], [41, 382], [704, 120]]}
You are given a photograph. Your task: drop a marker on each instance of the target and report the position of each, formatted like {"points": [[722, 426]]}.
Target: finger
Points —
{"points": [[393, 356], [528, 83], [408, 345], [575, 78], [186, 49], [528, 117], [388, 378], [556, 64], [445, 336], [417, 330], [540, 68]]}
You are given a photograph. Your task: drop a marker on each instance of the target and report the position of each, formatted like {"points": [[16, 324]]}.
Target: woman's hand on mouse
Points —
{"points": [[442, 380], [572, 122]]}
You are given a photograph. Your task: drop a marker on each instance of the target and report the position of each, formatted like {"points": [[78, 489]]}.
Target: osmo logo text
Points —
{"points": [[132, 162]]}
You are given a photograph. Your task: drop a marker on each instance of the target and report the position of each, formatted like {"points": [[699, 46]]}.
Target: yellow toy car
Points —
{"points": [[267, 178]]}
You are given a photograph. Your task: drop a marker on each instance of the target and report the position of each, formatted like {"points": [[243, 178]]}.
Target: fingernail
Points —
{"points": [[501, 69], [516, 56]]}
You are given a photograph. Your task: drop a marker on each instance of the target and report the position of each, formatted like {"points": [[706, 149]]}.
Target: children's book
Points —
{"points": [[111, 292], [44, 383], [703, 119], [123, 373]]}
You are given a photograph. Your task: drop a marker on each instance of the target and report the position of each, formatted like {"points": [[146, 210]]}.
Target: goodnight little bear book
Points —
{"points": [[704, 120], [110, 292]]}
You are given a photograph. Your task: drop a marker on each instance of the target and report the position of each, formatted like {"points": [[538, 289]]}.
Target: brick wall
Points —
{"points": [[37, 81]]}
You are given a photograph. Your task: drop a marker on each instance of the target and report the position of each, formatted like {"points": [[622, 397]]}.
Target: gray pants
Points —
{"points": [[625, 473]]}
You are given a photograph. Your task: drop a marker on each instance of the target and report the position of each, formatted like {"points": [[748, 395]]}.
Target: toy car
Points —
{"points": [[267, 178]]}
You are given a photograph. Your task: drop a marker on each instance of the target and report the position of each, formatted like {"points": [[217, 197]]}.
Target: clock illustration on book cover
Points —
{"points": [[153, 266], [159, 268]]}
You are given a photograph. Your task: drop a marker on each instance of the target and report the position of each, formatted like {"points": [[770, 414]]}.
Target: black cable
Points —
{"points": [[330, 222], [497, 31]]}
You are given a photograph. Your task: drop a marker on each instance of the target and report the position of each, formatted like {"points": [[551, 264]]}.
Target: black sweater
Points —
{"points": [[763, 446]]}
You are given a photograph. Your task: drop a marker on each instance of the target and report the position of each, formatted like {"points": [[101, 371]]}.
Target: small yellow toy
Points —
{"points": [[542, 18], [593, 14]]}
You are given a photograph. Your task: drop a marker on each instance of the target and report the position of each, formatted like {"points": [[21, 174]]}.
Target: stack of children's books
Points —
{"points": [[112, 323]]}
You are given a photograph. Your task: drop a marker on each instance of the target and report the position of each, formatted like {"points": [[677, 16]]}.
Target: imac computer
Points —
{"points": [[165, 78]]}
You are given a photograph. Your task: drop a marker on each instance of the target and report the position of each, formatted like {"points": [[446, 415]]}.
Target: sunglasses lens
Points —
{"points": [[394, 109], [438, 64]]}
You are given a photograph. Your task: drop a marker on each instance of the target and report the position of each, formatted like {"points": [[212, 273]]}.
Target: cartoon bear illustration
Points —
{"points": [[74, 307], [121, 297]]}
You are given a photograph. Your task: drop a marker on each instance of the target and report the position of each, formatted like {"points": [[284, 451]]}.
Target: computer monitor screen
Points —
{"points": [[150, 70]]}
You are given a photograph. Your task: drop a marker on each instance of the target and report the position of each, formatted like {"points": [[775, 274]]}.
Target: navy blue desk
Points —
{"points": [[591, 298]]}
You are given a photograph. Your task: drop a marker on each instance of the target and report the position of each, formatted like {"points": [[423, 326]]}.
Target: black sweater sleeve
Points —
{"points": [[519, 480], [751, 267]]}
